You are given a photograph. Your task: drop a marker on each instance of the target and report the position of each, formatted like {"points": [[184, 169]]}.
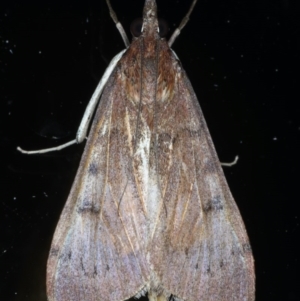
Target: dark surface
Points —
{"points": [[242, 58]]}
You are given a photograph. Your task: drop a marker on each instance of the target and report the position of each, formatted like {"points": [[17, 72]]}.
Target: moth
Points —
{"points": [[150, 212]]}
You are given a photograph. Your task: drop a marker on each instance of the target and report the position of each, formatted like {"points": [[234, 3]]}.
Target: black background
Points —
{"points": [[242, 58]]}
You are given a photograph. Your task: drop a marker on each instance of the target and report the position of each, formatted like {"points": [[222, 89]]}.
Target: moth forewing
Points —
{"points": [[206, 250], [150, 210], [98, 247]]}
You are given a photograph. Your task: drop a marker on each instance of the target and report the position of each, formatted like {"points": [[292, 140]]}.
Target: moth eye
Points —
{"points": [[163, 27], [136, 27]]}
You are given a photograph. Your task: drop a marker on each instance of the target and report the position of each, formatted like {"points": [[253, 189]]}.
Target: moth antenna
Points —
{"points": [[182, 24], [118, 24]]}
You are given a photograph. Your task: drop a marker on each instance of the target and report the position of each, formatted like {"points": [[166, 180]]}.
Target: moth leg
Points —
{"points": [[84, 124], [162, 298], [229, 164], [154, 297]]}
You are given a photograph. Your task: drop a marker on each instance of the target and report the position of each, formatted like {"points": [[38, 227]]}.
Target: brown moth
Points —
{"points": [[150, 211]]}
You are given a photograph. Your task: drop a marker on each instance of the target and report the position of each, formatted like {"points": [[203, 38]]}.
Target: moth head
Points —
{"points": [[150, 22], [137, 24]]}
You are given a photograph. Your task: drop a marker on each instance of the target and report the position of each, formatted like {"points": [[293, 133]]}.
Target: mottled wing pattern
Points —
{"points": [[200, 246], [98, 252]]}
